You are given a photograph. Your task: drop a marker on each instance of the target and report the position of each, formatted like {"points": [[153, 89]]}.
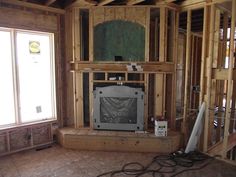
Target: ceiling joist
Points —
{"points": [[133, 2], [104, 2], [84, 3], [49, 2], [33, 6]]}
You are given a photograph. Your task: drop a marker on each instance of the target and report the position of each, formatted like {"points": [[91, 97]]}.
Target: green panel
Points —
{"points": [[119, 38]]}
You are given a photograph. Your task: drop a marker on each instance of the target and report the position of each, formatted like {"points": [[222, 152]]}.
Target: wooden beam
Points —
{"points": [[104, 2], [192, 4], [33, 6], [150, 67], [222, 74], [133, 2], [49, 2], [230, 76], [83, 3]]}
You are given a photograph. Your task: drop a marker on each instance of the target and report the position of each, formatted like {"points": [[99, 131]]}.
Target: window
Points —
{"points": [[27, 90]]}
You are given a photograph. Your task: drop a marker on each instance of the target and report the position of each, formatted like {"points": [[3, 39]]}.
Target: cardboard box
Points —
{"points": [[160, 128]]}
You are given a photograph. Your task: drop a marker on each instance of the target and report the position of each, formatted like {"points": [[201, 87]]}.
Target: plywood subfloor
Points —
{"points": [[59, 162]]}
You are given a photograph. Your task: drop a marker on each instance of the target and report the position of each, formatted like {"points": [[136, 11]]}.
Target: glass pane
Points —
{"points": [[34, 55], [7, 112]]}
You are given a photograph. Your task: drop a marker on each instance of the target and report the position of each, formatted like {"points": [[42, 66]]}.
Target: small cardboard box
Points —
{"points": [[160, 128]]}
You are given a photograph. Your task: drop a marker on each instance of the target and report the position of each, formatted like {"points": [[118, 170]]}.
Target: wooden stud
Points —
{"points": [[220, 83], [203, 57], [175, 58], [91, 99], [187, 69], [209, 73], [146, 101], [91, 26], [215, 57], [147, 34], [230, 75], [159, 88]]}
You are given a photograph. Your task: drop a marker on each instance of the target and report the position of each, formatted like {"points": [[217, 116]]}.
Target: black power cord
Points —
{"points": [[164, 164]]}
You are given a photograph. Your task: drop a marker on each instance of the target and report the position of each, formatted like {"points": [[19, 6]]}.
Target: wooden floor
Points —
{"points": [[59, 162], [86, 139]]}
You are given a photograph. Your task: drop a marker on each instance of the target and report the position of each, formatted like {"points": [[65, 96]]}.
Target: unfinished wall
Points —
{"points": [[36, 19]]}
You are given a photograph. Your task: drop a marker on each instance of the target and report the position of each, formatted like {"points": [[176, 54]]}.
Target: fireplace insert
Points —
{"points": [[118, 108]]}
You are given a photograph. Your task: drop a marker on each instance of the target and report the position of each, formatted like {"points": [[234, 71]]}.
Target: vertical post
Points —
{"points": [[146, 75], [159, 87], [77, 76], [91, 26], [175, 57], [203, 57], [209, 73], [221, 64], [230, 77], [215, 58], [187, 63]]}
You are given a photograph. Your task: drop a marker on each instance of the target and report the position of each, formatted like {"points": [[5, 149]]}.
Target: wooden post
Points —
{"points": [[209, 73], [146, 75], [203, 57], [230, 77], [160, 81], [77, 77], [187, 65], [91, 26], [175, 57], [213, 81], [221, 84]]}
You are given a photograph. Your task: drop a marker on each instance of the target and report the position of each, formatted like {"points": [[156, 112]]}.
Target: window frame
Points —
{"points": [[16, 83]]}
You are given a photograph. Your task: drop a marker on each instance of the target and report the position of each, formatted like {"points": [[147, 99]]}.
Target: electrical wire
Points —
{"points": [[164, 164]]}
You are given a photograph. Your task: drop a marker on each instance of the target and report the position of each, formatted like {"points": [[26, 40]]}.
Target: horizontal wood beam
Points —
{"points": [[150, 67], [133, 2], [33, 6], [217, 148], [104, 2], [83, 3], [49, 2], [222, 74]]}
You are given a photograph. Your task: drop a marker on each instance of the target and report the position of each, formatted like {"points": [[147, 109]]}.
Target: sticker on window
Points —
{"points": [[34, 47]]}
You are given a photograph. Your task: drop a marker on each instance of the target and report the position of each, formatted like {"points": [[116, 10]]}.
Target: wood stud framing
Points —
{"points": [[187, 65], [230, 81], [139, 15], [213, 74]]}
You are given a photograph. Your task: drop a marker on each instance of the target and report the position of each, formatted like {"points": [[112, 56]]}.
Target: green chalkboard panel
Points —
{"points": [[119, 38]]}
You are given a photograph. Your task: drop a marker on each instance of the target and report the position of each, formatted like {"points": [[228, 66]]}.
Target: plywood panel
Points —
{"points": [[98, 15], [109, 14], [133, 14], [120, 13]]}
